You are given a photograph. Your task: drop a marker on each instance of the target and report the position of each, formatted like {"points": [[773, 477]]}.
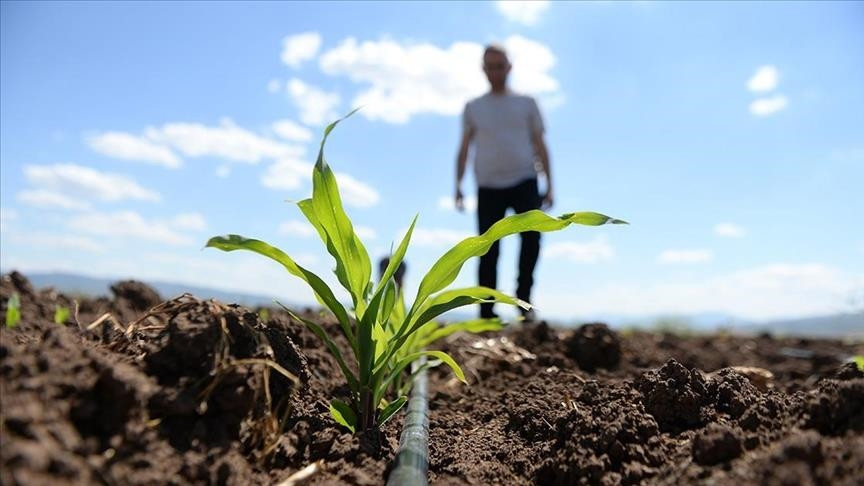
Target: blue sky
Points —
{"points": [[728, 134]]}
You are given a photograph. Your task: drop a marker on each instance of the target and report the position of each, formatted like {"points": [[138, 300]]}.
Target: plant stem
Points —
{"points": [[367, 409]]}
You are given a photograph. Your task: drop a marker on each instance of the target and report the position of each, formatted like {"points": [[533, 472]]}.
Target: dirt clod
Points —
{"points": [[595, 346], [715, 444]]}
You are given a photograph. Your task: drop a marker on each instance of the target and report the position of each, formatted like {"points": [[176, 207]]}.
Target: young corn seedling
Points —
{"points": [[379, 343], [61, 314], [13, 310], [427, 335]]}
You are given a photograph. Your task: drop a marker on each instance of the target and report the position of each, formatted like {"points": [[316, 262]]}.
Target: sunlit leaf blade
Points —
{"points": [[447, 268], [410, 381], [408, 329], [321, 289], [61, 314], [381, 336], [13, 310], [331, 346], [365, 342], [391, 409], [397, 257], [590, 218], [353, 267], [407, 360], [306, 208], [449, 300], [473, 326], [390, 295], [343, 415]]}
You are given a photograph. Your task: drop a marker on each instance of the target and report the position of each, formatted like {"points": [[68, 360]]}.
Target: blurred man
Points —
{"points": [[506, 130]]}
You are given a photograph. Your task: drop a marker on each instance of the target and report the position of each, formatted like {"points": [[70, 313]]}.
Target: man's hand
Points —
{"points": [[548, 200], [459, 200]]}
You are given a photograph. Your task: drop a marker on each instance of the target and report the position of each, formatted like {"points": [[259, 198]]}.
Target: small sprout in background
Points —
{"points": [[859, 361], [264, 314], [13, 310], [61, 315]]}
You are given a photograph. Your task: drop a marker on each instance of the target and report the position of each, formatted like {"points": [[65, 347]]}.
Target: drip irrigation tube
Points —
{"points": [[412, 460]]}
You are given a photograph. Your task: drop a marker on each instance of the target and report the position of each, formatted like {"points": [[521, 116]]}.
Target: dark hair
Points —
{"points": [[496, 48]]}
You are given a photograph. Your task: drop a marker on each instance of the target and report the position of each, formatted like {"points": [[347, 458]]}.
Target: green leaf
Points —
{"points": [[334, 350], [447, 268], [397, 257], [353, 267], [390, 297], [321, 290], [13, 310], [444, 302], [365, 341], [391, 409], [478, 293], [381, 336], [61, 314], [343, 415], [403, 390], [473, 326], [859, 361], [407, 360]]}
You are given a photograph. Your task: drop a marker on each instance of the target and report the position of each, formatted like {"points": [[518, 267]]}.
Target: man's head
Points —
{"points": [[496, 65]]}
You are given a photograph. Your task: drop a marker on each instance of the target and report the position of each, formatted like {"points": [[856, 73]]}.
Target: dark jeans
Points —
{"points": [[492, 205]]}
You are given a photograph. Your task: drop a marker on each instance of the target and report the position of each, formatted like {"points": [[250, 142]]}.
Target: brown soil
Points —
{"points": [[187, 391], [188, 395], [545, 407]]}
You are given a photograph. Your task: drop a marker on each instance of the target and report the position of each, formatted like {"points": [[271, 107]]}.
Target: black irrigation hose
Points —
{"points": [[412, 461]]}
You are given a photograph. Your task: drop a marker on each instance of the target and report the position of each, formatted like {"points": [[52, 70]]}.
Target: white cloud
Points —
{"points": [[302, 229], [768, 106], [764, 79], [317, 107], [129, 224], [126, 146], [300, 47], [593, 251], [729, 230], [686, 256], [189, 222], [447, 203], [48, 199], [223, 171], [523, 12], [403, 80], [290, 174], [365, 232], [434, 237], [780, 290], [356, 193], [227, 141], [66, 242], [75, 181], [287, 174], [293, 131]]}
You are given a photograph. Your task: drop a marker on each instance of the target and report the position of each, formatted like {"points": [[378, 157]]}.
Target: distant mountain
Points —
{"points": [[838, 325], [92, 286]]}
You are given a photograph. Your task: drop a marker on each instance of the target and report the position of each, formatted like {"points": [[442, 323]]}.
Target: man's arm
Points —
{"points": [[461, 163], [543, 154]]}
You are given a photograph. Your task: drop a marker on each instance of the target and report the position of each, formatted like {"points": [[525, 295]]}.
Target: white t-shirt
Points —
{"points": [[502, 124]]}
